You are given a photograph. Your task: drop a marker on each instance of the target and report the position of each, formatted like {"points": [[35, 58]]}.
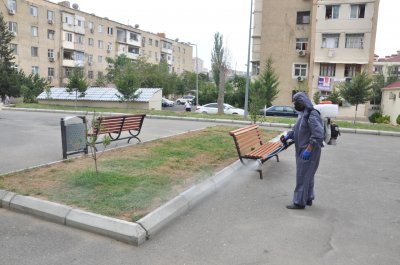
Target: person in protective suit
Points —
{"points": [[308, 136]]}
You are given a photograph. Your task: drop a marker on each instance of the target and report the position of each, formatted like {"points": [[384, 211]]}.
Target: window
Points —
{"points": [[110, 31], [327, 69], [143, 42], [100, 44], [100, 28], [156, 43], [150, 41], [91, 41], [133, 36], [79, 39], [50, 53], [109, 47], [332, 12], [91, 25], [100, 59], [79, 23], [133, 50], [34, 51], [12, 5], [149, 54], [68, 37], [357, 11], [300, 70], [90, 58], [301, 44], [35, 70], [378, 69], [50, 15], [100, 75], [34, 11], [34, 31], [303, 17], [330, 41], [50, 34], [351, 70], [156, 56], [12, 27], [14, 48], [355, 41], [50, 72], [90, 74], [68, 71], [394, 70]]}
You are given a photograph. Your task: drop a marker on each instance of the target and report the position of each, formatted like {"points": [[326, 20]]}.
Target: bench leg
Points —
{"points": [[277, 158], [260, 171]]}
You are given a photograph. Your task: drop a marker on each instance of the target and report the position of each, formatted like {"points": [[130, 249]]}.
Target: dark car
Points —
{"points": [[283, 111]]}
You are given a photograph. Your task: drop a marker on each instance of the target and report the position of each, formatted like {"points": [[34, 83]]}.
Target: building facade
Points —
{"points": [[51, 39], [389, 66], [314, 43]]}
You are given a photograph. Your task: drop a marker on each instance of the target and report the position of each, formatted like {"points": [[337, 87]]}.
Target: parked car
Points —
{"points": [[184, 99], [212, 108], [167, 103], [283, 111]]}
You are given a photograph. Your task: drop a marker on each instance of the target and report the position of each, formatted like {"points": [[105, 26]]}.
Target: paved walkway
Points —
{"points": [[354, 220]]}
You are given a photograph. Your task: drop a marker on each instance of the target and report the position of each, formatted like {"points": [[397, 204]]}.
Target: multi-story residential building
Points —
{"points": [[313, 43], [388, 66], [51, 39]]}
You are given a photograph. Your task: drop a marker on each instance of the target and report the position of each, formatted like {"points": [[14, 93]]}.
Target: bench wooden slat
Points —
{"points": [[118, 124], [249, 145]]}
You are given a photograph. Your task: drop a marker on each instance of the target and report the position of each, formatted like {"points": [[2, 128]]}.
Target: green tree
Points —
{"points": [[316, 97], [334, 97], [269, 82], [357, 91], [77, 83], [127, 82], [32, 87], [10, 78], [219, 67], [256, 102]]}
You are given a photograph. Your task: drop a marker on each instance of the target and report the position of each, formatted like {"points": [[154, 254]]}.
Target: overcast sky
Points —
{"points": [[198, 21]]}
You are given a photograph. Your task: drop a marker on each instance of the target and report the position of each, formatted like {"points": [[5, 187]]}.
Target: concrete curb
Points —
{"points": [[128, 232]]}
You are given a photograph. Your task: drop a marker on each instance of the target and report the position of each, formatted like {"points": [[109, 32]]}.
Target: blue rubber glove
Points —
{"points": [[305, 155], [284, 138]]}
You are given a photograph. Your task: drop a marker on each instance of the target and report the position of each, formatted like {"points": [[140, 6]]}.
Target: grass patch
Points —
{"points": [[133, 180]]}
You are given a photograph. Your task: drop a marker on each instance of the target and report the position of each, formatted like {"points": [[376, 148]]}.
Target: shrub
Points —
{"points": [[383, 119], [373, 118], [398, 120]]}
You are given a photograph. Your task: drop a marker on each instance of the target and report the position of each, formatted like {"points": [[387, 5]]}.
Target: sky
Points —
{"points": [[197, 22]]}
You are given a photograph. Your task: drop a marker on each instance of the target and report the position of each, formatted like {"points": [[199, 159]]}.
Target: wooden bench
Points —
{"points": [[115, 125], [249, 145]]}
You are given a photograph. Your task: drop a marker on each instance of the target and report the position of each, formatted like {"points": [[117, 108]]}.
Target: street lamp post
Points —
{"points": [[246, 99], [197, 75]]}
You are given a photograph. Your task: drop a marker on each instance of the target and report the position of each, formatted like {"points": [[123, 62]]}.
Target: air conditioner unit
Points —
{"points": [[90, 63], [11, 11], [50, 78], [51, 59], [108, 50], [13, 33], [50, 21], [91, 30], [300, 78], [301, 53], [348, 79]]}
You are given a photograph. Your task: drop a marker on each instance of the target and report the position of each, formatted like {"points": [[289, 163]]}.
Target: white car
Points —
{"points": [[212, 108], [184, 99]]}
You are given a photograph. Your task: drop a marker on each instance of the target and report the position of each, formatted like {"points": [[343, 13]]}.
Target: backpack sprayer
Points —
{"points": [[328, 111]]}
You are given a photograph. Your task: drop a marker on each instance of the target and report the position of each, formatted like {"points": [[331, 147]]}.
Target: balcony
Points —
{"points": [[72, 63]]}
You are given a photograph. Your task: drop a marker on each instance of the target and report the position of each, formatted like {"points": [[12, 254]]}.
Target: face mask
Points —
{"points": [[298, 106]]}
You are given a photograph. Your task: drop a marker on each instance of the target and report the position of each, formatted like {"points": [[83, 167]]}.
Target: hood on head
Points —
{"points": [[301, 97]]}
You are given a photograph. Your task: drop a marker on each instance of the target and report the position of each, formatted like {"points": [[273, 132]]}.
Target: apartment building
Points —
{"points": [[51, 39], [388, 65], [314, 43]]}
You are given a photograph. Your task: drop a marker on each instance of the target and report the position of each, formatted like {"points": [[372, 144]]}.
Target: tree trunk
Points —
{"points": [[355, 115], [221, 91]]}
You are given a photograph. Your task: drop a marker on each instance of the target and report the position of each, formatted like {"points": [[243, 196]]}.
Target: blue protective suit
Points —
{"points": [[307, 130]]}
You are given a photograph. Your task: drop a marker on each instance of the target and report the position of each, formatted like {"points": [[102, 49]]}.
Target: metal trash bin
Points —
{"points": [[73, 135]]}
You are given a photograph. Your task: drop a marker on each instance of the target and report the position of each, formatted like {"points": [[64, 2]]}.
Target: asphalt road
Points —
{"points": [[355, 218]]}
